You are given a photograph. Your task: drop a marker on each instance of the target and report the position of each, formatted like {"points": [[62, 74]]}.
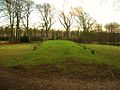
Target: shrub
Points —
{"points": [[93, 51], [24, 39]]}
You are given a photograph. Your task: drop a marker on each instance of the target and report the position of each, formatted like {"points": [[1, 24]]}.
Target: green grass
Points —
{"points": [[57, 51]]}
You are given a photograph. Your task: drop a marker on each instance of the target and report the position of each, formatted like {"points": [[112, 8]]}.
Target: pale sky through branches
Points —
{"points": [[101, 10]]}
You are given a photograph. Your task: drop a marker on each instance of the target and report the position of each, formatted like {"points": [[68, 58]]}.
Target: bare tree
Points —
{"points": [[66, 22], [27, 9], [18, 12], [116, 4], [112, 28], [13, 9], [47, 15], [8, 8], [84, 20]]}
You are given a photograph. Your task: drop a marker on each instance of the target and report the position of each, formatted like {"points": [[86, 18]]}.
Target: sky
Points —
{"points": [[103, 11]]}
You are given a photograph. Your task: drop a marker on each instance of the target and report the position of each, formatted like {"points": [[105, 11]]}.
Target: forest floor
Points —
{"points": [[59, 65], [91, 78]]}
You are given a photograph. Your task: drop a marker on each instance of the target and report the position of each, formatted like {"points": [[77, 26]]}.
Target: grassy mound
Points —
{"points": [[60, 58], [57, 51]]}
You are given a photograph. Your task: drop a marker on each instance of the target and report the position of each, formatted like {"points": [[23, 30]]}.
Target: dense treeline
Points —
{"points": [[85, 30], [94, 36]]}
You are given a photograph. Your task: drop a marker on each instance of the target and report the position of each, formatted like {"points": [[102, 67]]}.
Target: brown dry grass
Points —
{"points": [[51, 77]]}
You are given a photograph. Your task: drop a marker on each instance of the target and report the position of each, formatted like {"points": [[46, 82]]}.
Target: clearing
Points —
{"points": [[59, 65]]}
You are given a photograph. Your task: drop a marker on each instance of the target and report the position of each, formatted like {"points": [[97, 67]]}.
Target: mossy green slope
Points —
{"points": [[57, 51]]}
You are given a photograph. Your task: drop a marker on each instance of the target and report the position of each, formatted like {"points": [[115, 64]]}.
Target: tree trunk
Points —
{"points": [[17, 29]]}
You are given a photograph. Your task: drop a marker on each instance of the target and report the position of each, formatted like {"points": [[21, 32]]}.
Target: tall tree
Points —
{"points": [[12, 9], [66, 22], [47, 15], [18, 11], [112, 28], [84, 20], [27, 9], [8, 8]]}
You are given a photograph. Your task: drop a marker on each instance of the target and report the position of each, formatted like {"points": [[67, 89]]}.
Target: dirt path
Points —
{"points": [[11, 79], [57, 84]]}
